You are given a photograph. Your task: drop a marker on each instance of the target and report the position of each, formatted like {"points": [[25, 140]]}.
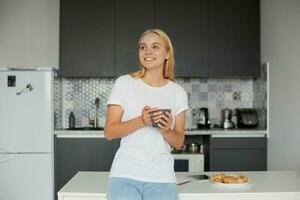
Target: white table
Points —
{"points": [[266, 185]]}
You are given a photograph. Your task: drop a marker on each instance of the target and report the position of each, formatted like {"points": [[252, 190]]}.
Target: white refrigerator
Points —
{"points": [[26, 134]]}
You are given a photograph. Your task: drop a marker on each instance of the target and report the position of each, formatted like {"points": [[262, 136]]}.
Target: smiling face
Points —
{"points": [[152, 51]]}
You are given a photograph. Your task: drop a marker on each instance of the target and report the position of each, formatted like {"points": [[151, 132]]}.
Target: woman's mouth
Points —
{"points": [[149, 59]]}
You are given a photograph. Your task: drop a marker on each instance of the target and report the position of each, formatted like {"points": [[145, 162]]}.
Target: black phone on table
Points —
{"points": [[200, 176]]}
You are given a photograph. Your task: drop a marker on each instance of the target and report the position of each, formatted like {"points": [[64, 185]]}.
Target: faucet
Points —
{"points": [[94, 121]]}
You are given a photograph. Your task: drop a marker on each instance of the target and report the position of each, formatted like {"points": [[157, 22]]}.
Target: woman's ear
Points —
{"points": [[168, 55]]}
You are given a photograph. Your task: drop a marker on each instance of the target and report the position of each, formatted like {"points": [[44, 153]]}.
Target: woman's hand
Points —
{"points": [[146, 116], [164, 122]]}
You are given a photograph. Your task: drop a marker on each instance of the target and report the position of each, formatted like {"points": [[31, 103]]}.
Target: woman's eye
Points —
{"points": [[142, 47], [155, 47]]}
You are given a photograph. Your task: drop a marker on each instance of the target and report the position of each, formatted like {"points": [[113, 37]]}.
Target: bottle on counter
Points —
{"points": [[71, 121]]}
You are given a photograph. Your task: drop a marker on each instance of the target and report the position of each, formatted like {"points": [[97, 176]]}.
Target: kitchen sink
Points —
{"points": [[86, 128]]}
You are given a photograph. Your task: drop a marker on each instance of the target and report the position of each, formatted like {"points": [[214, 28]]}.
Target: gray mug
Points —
{"points": [[164, 111]]}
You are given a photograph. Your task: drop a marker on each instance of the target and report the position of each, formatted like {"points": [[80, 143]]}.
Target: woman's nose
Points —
{"points": [[148, 51]]}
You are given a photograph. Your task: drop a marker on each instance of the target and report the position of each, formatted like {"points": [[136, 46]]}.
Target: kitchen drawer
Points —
{"points": [[238, 154], [239, 143], [238, 160]]}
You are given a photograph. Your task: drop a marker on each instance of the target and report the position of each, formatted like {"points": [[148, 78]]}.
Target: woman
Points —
{"points": [[143, 167]]}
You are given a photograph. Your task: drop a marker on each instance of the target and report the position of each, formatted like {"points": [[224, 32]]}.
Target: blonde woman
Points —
{"points": [[143, 167]]}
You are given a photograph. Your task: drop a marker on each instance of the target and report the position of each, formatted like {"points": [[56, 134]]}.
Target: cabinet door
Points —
{"points": [[82, 154], [238, 154], [86, 38], [133, 17], [186, 22], [238, 160], [234, 38]]}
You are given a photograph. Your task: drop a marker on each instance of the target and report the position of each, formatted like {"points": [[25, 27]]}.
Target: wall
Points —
{"points": [[280, 40], [79, 94], [29, 33]]}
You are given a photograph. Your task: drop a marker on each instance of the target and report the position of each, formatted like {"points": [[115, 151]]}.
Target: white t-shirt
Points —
{"points": [[144, 154]]}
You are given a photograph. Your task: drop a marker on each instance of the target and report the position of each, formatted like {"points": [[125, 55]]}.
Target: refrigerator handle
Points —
{"points": [[9, 157]]}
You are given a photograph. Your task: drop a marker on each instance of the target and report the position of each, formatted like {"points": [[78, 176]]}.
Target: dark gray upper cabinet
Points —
{"points": [[186, 22], [234, 38], [86, 38], [133, 17], [211, 38]]}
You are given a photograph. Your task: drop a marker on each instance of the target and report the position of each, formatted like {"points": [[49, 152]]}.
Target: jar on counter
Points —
{"points": [[71, 121]]}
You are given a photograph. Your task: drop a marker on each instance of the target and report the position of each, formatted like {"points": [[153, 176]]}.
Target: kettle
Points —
{"points": [[226, 118], [203, 118]]}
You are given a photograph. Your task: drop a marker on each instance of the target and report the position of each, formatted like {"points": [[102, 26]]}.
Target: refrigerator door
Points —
{"points": [[26, 176], [26, 111]]}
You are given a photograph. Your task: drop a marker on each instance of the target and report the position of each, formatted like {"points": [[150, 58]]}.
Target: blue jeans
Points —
{"points": [[129, 189]]}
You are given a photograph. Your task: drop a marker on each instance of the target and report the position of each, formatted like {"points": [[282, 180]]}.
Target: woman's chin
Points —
{"points": [[152, 67]]}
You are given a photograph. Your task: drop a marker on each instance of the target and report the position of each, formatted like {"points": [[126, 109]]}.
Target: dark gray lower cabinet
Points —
{"points": [[82, 154], [238, 154]]}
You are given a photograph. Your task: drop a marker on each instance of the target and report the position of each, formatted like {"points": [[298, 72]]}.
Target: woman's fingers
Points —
{"points": [[146, 107], [157, 116], [168, 117], [154, 114], [164, 123], [169, 114], [151, 115], [149, 110], [163, 116], [161, 126], [146, 114]]}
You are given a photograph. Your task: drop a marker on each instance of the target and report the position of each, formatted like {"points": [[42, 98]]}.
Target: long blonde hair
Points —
{"points": [[168, 71]]}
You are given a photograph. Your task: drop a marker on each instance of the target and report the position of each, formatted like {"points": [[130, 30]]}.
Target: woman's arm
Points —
{"points": [[175, 137], [114, 128]]}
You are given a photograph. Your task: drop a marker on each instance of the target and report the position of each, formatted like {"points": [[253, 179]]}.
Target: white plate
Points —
{"points": [[232, 184]]}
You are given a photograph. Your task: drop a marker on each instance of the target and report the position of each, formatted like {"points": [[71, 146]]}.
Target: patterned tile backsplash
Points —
{"points": [[260, 95], [79, 94]]}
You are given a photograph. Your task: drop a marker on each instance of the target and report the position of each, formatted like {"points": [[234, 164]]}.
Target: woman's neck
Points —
{"points": [[154, 78]]}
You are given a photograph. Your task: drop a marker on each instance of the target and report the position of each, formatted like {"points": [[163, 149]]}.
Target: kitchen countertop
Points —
{"points": [[264, 185], [214, 132]]}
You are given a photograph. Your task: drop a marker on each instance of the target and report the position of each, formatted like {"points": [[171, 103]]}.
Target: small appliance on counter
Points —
{"points": [[227, 119], [246, 118], [202, 118]]}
